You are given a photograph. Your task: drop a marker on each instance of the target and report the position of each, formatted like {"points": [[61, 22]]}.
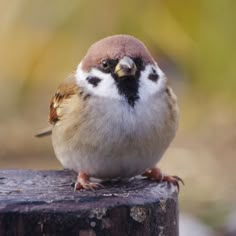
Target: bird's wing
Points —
{"points": [[65, 91]]}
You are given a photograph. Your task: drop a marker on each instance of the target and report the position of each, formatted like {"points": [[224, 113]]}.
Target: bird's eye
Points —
{"points": [[105, 64], [108, 65]]}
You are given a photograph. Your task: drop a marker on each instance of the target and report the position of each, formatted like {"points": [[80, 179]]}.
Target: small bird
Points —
{"points": [[115, 116]]}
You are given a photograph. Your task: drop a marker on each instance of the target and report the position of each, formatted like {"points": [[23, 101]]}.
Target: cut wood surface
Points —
{"points": [[44, 203]]}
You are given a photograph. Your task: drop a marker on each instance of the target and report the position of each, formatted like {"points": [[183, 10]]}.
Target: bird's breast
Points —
{"points": [[110, 122], [111, 136]]}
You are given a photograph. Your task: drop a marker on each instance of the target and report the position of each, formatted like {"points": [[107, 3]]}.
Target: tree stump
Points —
{"points": [[44, 203]]}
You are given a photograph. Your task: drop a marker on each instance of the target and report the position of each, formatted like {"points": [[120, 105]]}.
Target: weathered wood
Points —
{"points": [[43, 203]]}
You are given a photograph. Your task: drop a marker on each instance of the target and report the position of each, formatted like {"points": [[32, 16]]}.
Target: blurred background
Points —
{"points": [[41, 42]]}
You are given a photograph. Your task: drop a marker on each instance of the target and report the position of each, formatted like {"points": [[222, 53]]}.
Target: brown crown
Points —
{"points": [[115, 47]]}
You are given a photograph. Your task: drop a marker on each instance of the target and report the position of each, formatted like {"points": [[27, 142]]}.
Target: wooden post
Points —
{"points": [[44, 203]]}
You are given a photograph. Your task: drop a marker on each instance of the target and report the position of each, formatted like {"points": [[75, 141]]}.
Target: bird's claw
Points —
{"points": [[157, 175], [87, 186], [173, 180], [84, 183]]}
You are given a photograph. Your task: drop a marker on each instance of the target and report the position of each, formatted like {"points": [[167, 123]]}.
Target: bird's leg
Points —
{"points": [[156, 174], [84, 183]]}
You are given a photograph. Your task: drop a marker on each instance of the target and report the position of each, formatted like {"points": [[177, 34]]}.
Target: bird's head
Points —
{"points": [[120, 67]]}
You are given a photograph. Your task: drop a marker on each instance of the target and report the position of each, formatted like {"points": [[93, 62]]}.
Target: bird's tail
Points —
{"points": [[44, 132]]}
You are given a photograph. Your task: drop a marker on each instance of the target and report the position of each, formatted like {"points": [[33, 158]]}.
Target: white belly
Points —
{"points": [[115, 140]]}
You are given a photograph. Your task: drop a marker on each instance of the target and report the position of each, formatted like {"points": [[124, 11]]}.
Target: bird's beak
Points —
{"points": [[125, 67]]}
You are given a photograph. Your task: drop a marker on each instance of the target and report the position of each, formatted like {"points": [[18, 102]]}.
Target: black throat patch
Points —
{"points": [[128, 86]]}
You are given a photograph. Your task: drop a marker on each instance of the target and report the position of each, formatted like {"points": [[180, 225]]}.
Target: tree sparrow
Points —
{"points": [[115, 116]]}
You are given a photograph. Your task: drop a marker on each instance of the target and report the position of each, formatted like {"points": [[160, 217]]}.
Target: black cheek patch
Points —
{"points": [[153, 76], [93, 80]]}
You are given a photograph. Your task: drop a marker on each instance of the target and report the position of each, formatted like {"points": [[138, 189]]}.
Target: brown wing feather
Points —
{"points": [[65, 90]]}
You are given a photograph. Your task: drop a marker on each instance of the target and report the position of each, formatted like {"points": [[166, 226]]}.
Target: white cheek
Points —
{"points": [[108, 88], [149, 87], [105, 88]]}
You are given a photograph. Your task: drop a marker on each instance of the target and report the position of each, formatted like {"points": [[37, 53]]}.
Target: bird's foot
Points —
{"points": [[83, 182], [156, 174]]}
